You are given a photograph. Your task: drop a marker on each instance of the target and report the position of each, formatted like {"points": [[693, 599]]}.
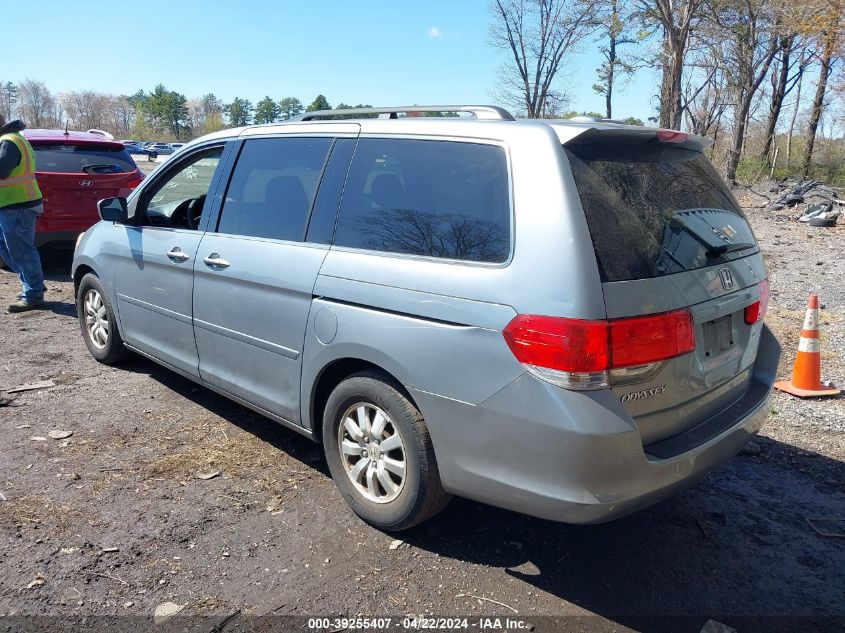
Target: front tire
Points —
{"points": [[97, 322], [380, 453]]}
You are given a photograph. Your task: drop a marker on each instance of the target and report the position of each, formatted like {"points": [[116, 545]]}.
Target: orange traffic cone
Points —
{"points": [[807, 371]]}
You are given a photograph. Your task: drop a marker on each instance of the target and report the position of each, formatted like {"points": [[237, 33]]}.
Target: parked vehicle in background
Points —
{"points": [[74, 170], [132, 147], [562, 318], [159, 148], [176, 146], [140, 148]]}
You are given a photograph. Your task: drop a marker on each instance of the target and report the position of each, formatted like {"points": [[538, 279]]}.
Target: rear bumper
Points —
{"points": [[576, 457], [42, 238]]}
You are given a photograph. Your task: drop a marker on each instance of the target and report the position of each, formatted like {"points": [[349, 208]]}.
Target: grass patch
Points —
{"points": [[38, 510], [236, 454]]}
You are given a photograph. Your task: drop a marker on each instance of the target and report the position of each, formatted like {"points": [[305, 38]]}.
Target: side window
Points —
{"points": [[272, 187], [177, 200], [436, 198], [324, 214]]}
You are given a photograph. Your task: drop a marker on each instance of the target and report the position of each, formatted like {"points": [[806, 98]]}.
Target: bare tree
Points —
{"points": [[538, 35], [705, 101], [787, 71], [676, 19], [830, 43], [790, 132], [122, 115], [117, 115], [86, 109], [747, 31], [36, 105]]}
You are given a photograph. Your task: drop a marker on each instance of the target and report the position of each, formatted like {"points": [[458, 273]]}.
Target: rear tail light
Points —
{"points": [[137, 180], [757, 310], [578, 354], [647, 339]]}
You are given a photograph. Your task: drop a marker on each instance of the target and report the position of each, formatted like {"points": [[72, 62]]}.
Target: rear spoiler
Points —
{"points": [[630, 134]]}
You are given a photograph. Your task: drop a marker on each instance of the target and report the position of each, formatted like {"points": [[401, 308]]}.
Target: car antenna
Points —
{"points": [[67, 122]]}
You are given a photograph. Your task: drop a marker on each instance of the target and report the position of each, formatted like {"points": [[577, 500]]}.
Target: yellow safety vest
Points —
{"points": [[21, 185]]}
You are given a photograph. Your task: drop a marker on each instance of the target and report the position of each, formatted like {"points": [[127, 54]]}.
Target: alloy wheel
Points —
{"points": [[372, 452], [96, 319]]}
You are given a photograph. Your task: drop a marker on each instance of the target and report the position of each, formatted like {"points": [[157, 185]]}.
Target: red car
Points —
{"points": [[74, 170]]}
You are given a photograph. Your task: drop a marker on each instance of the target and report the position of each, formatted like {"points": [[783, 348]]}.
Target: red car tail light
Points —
{"points": [[757, 310], [136, 180], [578, 354]]}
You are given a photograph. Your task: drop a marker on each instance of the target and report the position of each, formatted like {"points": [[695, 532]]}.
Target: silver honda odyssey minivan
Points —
{"points": [[562, 318]]}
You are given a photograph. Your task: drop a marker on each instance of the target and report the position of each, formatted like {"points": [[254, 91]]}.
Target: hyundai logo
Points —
{"points": [[727, 278], [86, 183]]}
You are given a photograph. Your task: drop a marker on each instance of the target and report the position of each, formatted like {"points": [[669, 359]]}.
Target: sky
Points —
{"points": [[383, 53]]}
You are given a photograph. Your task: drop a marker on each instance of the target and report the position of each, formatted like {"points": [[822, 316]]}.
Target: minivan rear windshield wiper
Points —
{"points": [[102, 169], [728, 248]]}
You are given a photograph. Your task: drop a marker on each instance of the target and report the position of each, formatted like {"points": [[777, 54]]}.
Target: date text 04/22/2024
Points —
{"points": [[419, 623]]}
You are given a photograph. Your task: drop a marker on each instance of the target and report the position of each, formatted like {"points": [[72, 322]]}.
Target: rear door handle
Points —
{"points": [[215, 261], [177, 255]]}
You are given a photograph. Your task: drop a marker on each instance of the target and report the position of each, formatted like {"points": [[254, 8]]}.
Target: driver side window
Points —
{"points": [[177, 200]]}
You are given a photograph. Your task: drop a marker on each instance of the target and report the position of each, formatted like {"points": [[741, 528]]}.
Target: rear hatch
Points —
{"points": [[670, 238], [73, 177]]}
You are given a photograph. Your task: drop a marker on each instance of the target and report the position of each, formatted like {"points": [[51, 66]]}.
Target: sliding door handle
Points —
{"points": [[215, 261], [176, 255]]}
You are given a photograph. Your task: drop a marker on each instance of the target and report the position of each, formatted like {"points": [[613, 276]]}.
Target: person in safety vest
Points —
{"points": [[20, 206]]}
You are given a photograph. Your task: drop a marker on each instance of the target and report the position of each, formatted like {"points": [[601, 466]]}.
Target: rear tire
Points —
{"points": [[97, 322], [394, 488]]}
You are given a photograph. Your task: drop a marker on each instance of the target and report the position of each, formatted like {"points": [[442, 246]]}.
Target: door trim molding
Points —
{"points": [[154, 308], [249, 340]]}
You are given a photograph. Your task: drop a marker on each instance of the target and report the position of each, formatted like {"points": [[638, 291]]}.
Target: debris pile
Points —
{"points": [[817, 204]]}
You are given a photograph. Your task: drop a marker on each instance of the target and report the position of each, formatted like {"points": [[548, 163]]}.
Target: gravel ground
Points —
{"points": [[802, 259], [117, 518]]}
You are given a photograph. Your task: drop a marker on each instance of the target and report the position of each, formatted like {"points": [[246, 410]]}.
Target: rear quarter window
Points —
{"points": [[424, 197], [80, 159], [655, 210]]}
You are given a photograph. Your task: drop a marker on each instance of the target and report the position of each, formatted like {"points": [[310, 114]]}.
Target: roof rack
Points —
{"points": [[481, 112]]}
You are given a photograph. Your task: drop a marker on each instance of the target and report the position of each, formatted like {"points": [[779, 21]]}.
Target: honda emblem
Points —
{"points": [[86, 183], [727, 278]]}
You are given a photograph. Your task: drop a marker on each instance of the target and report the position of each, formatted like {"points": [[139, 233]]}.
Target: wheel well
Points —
{"points": [[335, 373], [78, 274]]}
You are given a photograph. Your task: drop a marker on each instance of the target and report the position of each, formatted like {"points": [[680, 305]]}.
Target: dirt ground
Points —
{"points": [[119, 518]]}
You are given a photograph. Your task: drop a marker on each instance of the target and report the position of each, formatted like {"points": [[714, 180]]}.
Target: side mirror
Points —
{"points": [[113, 210]]}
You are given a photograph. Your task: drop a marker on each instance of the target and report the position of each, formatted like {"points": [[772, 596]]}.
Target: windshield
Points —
{"points": [[654, 210], [80, 159]]}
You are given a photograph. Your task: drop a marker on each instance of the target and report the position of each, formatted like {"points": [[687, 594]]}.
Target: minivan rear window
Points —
{"points": [[655, 210], [80, 159]]}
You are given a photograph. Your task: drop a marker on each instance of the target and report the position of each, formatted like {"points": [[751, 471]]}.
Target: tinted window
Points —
{"points": [[272, 187], [79, 159], [655, 210], [435, 198], [324, 214]]}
